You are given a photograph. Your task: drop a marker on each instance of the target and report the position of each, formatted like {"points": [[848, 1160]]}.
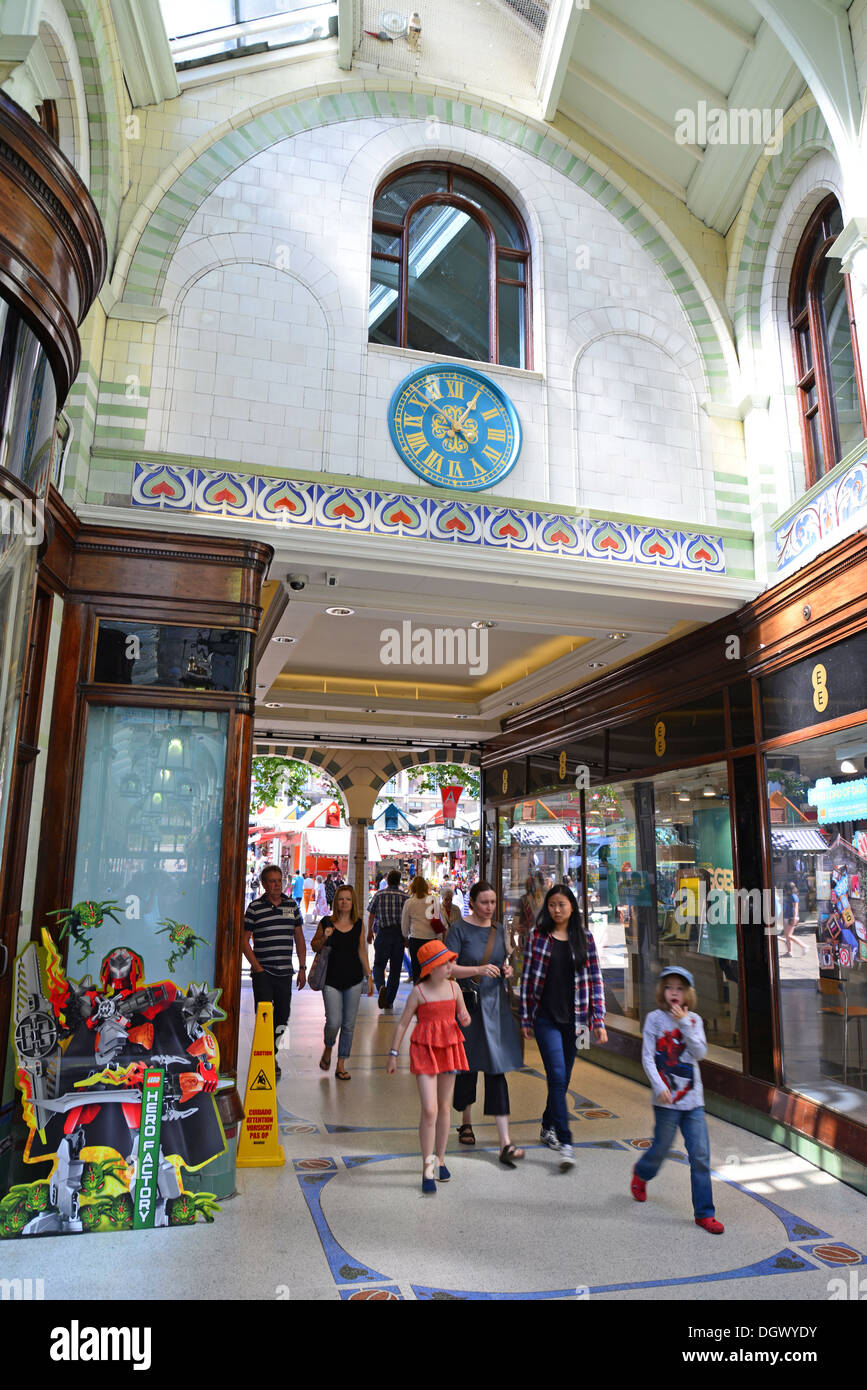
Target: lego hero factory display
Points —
{"points": [[117, 1080]]}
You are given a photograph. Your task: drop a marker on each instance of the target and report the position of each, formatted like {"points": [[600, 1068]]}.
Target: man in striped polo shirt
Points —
{"points": [[270, 924]]}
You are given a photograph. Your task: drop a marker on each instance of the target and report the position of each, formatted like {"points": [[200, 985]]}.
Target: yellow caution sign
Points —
{"points": [[258, 1146]]}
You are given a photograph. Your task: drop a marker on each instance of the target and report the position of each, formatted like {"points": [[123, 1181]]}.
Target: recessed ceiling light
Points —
{"points": [[618, 636], [848, 766], [272, 704], [340, 612], [284, 639], [370, 711], [683, 794], [513, 704], [482, 623], [708, 790], [596, 665]]}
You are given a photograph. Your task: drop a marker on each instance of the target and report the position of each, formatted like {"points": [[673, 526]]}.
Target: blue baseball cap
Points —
{"points": [[678, 970]]}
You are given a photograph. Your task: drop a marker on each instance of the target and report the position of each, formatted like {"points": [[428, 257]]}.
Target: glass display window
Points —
{"points": [[660, 890], [540, 845], [150, 833], [817, 802]]}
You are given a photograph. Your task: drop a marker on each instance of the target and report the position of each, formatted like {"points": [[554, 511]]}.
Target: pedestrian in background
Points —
{"points": [[385, 912], [419, 910], [272, 924]]}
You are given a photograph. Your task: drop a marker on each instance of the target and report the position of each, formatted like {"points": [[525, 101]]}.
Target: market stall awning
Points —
{"points": [[381, 845], [798, 837], [334, 840], [552, 833]]}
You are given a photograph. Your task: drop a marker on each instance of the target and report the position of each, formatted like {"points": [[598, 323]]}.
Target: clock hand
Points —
{"points": [[471, 406], [415, 401]]}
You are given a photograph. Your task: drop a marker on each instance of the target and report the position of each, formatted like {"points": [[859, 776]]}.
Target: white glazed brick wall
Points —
{"points": [[637, 423], [294, 223]]}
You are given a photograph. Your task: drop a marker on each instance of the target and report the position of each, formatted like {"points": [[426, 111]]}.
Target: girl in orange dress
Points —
{"points": [[436, 1052]]}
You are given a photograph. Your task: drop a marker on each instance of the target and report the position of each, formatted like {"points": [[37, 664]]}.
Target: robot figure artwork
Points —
{"points": [[83, 1051]]}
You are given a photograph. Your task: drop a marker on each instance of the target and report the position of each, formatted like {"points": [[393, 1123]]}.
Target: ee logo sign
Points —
{"points": [[659, 735], [562, 765], [820, 688], [505, 780]]}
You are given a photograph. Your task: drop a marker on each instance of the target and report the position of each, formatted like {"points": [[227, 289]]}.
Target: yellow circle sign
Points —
{"points": [[820, 688], [505, 780], [562, 765], [659, 735]]}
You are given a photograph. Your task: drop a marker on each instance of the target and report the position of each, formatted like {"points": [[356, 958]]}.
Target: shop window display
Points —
{"points": [[660, 892], [817, 796], [150, 831]]}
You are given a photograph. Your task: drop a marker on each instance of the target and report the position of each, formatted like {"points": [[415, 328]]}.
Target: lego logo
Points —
{"points": [[152, 1081]]}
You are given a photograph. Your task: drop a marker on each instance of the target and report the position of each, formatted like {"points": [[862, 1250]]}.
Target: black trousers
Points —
{"points": [[496, 1092], [414, 947], [276, 990]]}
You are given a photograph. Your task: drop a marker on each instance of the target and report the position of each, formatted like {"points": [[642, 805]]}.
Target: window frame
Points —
{"points": [[496, 252], [808, 327]]}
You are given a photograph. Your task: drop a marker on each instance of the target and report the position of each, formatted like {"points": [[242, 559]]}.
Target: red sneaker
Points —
{"points": [[710, 1223], [638, 1187]]}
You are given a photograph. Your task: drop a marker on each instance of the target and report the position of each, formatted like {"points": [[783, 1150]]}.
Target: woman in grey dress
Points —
{"points": [[492, 1042]]}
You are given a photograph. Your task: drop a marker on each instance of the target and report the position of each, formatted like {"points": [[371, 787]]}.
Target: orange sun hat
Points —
{"points": [[432, 954]]}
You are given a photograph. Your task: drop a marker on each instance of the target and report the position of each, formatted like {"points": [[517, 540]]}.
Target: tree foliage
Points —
{"points": [[279, 779], [436, 775]]}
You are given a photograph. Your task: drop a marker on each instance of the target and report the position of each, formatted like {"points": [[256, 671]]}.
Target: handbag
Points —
{"points": [[469, 988], [319, 968]]}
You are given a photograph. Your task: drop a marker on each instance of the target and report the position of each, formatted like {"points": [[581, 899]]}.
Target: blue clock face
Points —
{"points": [[454, 427]]}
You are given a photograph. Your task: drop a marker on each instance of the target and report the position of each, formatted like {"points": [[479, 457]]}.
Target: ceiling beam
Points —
{"points": [[713, 95], [643, 166], [634, 108], [744, 38], [557, 46]]}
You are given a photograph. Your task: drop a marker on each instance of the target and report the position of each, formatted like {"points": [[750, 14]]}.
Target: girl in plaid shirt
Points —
{"points": [[562, 996]]}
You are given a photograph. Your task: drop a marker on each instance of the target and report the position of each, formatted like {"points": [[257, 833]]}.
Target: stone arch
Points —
{"points": [[104, 86], [163, 215], [268, 392], [314, 757], [58, 41], [686, 377], [387, 151], [805, 135]]}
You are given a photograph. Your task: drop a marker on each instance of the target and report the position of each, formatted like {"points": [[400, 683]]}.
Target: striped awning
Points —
{"points": [[798, 837], [383, 846], [551, 833], [324, 840]]}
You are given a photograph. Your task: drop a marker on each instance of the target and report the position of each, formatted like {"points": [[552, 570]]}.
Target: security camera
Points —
{"points": [[297, 582], [332, 581]]}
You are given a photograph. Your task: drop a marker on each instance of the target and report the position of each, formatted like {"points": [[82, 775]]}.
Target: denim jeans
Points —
{"points": [[341, 1009], [388, 950], [693, 1127], [556, 1044]]}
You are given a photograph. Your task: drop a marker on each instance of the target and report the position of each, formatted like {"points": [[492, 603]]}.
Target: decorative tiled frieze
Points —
{"points": [[278, 502], [826, 517]]}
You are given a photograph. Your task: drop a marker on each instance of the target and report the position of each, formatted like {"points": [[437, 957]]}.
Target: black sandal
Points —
{"points": [[508, 1154], [465, 1135]]}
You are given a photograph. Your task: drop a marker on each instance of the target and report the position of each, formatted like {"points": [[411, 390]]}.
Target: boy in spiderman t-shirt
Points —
{"points": [[673, 1045]]}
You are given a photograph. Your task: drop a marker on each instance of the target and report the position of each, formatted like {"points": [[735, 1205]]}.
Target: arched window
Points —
{"points": [[830, 390], [450, 267]]}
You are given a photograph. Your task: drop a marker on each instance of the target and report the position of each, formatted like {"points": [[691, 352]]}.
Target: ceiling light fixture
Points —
{"points": [[340, 612], [284, 639], [617, 636], [847, 766], [482, 623], [272, 704], [596, 665], [708, 790], [683, 794]]}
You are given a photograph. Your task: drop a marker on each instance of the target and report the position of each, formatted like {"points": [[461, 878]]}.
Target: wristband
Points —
{"points": [[392, 1053]]}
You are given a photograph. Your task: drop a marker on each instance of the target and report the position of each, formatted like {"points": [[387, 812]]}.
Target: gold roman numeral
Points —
{"points": [[489, 414], [416, 441], [433, 460], [455, 388], [412, 421], [497, 434], [455, 469], [432, 389], [491, 454]]}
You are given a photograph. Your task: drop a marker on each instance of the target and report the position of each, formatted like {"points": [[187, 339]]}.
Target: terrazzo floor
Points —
{"points": [[345, 1218]]}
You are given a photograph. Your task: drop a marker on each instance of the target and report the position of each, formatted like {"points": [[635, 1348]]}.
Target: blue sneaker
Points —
{"points": [[428, 1185], [444, 1174]]}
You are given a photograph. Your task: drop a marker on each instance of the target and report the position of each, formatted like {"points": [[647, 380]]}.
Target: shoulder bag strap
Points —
{"points": [[489, 949]]}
